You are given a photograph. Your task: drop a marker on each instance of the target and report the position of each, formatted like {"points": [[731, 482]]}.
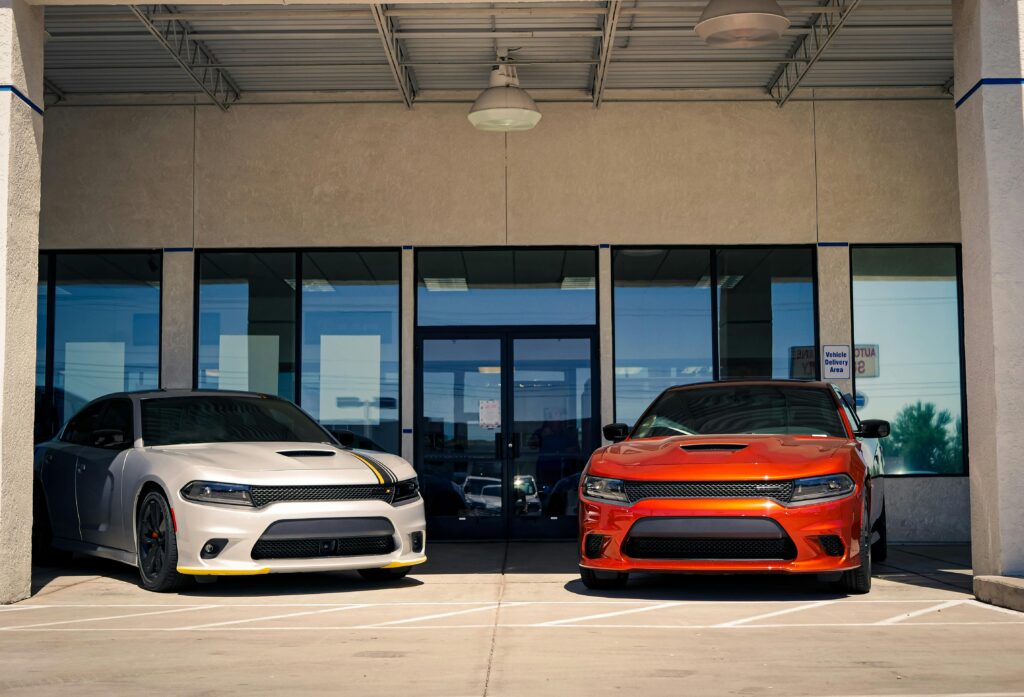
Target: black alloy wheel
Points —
{"points": [[157, 545]]}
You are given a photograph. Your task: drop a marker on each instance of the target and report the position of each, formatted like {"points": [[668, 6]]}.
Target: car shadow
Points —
{"points": [[736, 587]]}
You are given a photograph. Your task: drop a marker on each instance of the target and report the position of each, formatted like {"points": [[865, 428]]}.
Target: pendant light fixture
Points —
{"points": [[504, 106], [741, 23]]}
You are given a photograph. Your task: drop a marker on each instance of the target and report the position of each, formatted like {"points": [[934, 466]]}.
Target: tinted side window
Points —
{"points": [[848, 409], [81, 427], [115, 429]]}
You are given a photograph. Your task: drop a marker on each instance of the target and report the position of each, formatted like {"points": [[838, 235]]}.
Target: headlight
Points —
{"points": [[216, 492], [406, 491], [817, 489], [605, 489]]}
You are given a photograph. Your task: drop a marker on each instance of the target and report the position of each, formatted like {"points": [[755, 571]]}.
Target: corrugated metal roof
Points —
{"points": [[337, 48]]}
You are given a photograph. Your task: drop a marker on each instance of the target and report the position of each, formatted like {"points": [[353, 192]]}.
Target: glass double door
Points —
{"points": [[505, 425]]}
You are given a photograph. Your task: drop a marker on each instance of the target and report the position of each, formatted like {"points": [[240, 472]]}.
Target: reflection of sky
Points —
{"points": [[496, 306], [792, 322], [916, 327]]}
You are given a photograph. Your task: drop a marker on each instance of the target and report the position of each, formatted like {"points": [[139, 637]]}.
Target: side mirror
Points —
{"points": [[873, 428], [616, 433], [345, 438]]}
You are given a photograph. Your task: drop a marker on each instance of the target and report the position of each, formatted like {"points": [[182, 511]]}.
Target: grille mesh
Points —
{"points": [[593, 546], [310, 548], [689, 548], [775, 490], [266, 495], [832, 545]]}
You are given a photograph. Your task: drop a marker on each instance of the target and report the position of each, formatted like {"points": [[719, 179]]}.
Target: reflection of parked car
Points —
{"points": [[527, 500], [483, 493], [734, 477], [212, 483]]}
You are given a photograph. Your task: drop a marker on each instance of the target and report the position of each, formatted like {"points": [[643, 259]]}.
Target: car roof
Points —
{"points": [[161, 394], [814, 384]]}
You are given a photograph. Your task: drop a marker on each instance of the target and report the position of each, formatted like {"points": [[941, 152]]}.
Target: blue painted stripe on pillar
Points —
{"points": [[833, 244], [178, 249], [989, 81], [21, 95]]}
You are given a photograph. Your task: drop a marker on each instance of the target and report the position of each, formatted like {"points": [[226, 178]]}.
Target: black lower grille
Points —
{"points": [[266, 495], [781, 491], [593, 546], [832, 545], [312, 548], [690, 548]]}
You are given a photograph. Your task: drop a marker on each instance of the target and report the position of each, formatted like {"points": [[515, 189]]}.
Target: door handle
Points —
{"points": [[81, 467]]}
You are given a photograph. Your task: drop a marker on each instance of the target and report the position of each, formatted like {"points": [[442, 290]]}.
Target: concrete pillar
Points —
{"points": [[407, 326], [835, 312], [606, 347], [177, 319], [21, 140], [989, 92]]}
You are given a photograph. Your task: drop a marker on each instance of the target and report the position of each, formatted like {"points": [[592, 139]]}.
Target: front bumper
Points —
{"points": [[805, 526], [243, 526]]}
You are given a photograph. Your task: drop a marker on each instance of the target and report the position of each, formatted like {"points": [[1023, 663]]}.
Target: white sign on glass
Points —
{"points": [[91, 369], [836, 362], [350, 379], [866, 360], [490, 414], [249, 363]]}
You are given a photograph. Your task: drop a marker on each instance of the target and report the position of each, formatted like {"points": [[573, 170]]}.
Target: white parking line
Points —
{"points": [[923, 611], [574, 620], [995, 608], [321, 611], [108, 617], [785, 611], [438, 616], [15, 608]]}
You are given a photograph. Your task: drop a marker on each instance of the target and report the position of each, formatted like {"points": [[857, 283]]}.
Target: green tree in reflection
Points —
{"points": [[921, 436]]}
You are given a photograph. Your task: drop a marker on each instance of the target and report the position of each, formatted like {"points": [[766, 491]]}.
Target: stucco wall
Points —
{"points": [[365, 174]]}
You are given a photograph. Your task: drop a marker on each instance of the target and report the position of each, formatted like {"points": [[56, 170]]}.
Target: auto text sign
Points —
{"points": [[836, 362], [866, 356]]}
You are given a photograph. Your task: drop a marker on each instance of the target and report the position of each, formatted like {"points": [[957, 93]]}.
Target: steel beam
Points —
{"points": [[611, 23], [393, 53], [809, 49], [191, 54]]}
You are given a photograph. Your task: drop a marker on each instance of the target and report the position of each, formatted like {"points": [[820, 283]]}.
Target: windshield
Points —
{"points": [[227, 419], [742, 409]]}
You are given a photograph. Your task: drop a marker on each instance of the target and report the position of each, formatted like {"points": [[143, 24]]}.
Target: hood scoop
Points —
{"points": [[713, 447], [306, 453]]}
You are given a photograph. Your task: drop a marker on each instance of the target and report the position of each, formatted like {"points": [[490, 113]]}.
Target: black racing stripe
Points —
{"points": [[389, 476]]}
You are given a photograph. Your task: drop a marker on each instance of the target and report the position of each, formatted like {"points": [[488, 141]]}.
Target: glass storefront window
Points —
{"points": [[106, 328], [43, 416], [247, 322], [662, 324], [906, 321], [350, 343], [766, 314], [460, 287]]}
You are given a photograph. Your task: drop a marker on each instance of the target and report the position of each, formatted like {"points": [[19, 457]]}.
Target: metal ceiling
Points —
{"points": [[616, 49]]}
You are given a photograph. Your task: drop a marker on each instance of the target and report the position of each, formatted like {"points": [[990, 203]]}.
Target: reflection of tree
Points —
{"points": [[921, 437]]}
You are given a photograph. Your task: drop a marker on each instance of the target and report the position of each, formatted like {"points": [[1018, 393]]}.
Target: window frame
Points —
{"points": [[958, 254], [299, 253]]}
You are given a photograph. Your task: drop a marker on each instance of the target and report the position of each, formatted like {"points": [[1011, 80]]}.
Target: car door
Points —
{"points": [[99, 475], [57, 471]]}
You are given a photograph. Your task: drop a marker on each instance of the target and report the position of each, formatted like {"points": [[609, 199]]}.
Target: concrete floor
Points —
{"points": [[503, 620]]}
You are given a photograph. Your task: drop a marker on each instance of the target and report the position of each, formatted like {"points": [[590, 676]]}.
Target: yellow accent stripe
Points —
{"points": [[189, 571], [370, 465], [399, 564]]}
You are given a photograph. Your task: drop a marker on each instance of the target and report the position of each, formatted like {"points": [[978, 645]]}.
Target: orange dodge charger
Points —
{"points": [[733, 477]]}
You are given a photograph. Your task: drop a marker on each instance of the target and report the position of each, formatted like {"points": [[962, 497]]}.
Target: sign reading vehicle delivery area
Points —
{"points": [[835, 362]]}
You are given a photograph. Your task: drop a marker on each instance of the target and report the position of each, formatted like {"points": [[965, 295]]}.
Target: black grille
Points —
{"points": [[309, 548], [266, 495], [688, 548], [832, 545], [593, 546], [777, 491]]}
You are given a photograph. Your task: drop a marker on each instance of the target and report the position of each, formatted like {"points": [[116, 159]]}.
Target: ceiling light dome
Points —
{"points": [[504, 106], [741, 23]]}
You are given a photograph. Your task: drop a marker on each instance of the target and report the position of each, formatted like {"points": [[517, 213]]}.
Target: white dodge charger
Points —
{"points": [[193, 483]]}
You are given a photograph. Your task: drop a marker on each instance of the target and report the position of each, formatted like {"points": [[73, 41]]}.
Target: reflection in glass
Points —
{"points": [[663, 325], [460, 448], [247, 322], [506, 286], [106, 327], [552, 433], [766, 323], [350, 308], [44, 428], [906, 321]]}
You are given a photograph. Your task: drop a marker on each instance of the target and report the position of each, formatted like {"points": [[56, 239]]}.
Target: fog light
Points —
{"points": [[417, 541], [212, 548]]}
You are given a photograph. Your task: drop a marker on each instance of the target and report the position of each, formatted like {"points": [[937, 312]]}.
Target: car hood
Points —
{"points": [[300, 458], [718, 458]]}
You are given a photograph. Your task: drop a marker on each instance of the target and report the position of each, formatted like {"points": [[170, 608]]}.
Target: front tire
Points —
{"points": [[381, 574], [157, 545], [603, 580], [858, 581]]}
